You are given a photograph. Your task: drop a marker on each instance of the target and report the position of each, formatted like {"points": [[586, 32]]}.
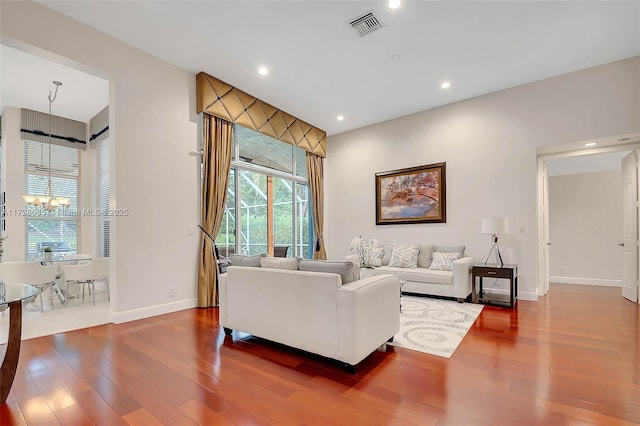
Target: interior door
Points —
{"points": [[630, 231]]}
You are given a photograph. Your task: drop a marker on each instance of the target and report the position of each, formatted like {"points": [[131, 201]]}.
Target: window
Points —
{"points": [[56, 226], [267, 199], [102, 197]]}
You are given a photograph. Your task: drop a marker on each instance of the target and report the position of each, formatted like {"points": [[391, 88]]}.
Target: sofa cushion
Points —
{"points": [[290, 263], [344, 269], [242, 260], [404, 255], [420, 275], [443, 261], [424, 256], [449, 249]]}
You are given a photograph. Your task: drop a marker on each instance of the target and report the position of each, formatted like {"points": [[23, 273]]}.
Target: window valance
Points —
{"points": [[219, 99], [64, 131]]}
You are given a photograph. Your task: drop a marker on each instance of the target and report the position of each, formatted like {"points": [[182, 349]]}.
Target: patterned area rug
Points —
{"points": [[434, 326]]}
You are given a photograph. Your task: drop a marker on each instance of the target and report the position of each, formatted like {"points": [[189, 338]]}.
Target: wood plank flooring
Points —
{"points": [[571, 359]]}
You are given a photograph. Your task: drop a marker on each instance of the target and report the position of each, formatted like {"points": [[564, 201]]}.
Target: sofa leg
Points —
{"points": [[351, 369], [460, 299], [227, 331]]}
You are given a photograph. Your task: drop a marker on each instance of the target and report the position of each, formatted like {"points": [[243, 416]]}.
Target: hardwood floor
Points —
{"points": [[573, 358]]}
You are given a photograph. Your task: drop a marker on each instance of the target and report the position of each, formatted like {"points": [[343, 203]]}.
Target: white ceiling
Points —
{"points": [[25, 82], [319, 67], [586, 164]]}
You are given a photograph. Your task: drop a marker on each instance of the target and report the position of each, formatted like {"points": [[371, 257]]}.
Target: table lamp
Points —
{"points": [[494, 226]]}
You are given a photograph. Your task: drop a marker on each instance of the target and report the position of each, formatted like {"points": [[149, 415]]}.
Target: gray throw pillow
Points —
{"points": [[344, 269], [242, 260], [424, 256], [388, 248], [450, 249]]}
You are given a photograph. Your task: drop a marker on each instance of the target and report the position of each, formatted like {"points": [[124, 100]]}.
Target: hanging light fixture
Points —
{"points": [[47, 201]]}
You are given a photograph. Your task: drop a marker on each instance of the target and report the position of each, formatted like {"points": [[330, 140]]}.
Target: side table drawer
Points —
{"points": [[480, 271]]}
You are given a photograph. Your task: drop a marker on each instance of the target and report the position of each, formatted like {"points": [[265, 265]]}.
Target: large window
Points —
{"points": [[56, 226], [268, 198]]}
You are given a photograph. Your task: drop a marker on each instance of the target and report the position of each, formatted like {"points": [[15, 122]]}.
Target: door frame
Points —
{"points": [[542, 201]]}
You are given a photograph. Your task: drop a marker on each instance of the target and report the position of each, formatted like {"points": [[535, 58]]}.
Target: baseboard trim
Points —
{"points": [[586, 281], [151, 311]]}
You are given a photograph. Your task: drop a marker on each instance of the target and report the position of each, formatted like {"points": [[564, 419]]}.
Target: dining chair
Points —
{"points": [[86, 274], [33, 273], [280, 251]]}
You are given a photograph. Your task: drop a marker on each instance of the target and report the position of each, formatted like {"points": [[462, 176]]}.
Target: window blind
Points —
{"points": [[102, 196]]}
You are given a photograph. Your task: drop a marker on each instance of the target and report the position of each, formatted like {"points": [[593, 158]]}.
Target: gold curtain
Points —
{"points": [[316, 189], [216, 159]]}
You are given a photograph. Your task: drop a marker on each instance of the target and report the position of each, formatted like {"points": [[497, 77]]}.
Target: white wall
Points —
{"points": [[585, 227], [489, 144], [152, 128]]}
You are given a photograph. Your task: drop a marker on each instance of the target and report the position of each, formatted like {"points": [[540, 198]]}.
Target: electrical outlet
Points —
{"points": [[191, 230], [522, 229], [563, 270], [172, 291]]}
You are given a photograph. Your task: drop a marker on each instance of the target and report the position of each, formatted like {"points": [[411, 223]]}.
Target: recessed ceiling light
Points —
{"points": [[340, 117], [394, 4], [591, 144], [445, 85], [263, 71]]}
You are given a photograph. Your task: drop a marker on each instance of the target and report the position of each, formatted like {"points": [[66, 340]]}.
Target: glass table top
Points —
{"points": [[13, 292]]}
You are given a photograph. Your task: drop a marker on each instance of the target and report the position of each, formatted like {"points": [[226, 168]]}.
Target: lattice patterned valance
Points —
{"points": [[222, 100]]}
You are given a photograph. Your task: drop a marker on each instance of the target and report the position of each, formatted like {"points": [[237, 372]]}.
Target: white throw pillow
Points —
{"points": [[290, 263], [376, 256], [443, 261], [404, 255]]}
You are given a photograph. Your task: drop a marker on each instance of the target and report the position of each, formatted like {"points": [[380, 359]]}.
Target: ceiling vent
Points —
{"points": [[366, 23]]}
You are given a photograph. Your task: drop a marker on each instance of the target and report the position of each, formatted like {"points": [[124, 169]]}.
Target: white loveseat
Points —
{"points": [[454, 283], [312, 311]]}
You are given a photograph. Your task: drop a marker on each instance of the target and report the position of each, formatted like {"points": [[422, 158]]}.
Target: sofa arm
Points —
{"points": [[368, 316], [462, 277]]}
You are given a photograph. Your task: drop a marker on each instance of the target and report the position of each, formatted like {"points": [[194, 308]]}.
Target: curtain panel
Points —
{"points": [[316, 189], [216, 160]]}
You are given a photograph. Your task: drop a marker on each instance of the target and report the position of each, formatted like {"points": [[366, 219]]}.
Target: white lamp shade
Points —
{"points": [[495, 225]]}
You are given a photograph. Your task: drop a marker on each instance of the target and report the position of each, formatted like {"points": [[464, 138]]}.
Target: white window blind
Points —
{"points": [[102, 194], [56, 226]]}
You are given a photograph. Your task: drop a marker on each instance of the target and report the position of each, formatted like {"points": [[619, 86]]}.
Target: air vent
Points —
{"points": [[366, 23]]}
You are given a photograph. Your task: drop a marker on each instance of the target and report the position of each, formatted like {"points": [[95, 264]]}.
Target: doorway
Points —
{"points": [[580, 215]]}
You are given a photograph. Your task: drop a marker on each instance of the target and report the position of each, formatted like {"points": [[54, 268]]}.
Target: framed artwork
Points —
{"points": [[413, 195]]}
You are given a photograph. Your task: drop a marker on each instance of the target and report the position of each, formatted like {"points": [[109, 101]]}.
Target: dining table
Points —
{"points": [[12, 296]]}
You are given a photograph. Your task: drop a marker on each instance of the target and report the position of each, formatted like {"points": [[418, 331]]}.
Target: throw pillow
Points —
{"points": [[355, 265], [289, 263], [443, 261], [242, 260], [450, 249], [376, 256], [404, 255], [424, 257], [388, 248], [344, 269]]}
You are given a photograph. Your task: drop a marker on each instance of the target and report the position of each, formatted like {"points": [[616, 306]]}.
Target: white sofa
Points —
{"points": [[312, 311], [455, 283]]}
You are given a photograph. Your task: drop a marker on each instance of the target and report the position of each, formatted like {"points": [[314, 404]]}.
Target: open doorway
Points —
{"points": [[581, 213]]}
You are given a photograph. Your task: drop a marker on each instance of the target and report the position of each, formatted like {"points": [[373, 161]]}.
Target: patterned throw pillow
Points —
{"points": [[404, 255], [376, 256], [443, 261]]}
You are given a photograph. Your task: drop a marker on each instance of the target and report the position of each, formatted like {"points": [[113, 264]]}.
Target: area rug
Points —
{"points": [[434, 326]]}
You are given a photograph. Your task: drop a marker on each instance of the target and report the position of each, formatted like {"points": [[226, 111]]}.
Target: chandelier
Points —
{"points": [[47, 201]]}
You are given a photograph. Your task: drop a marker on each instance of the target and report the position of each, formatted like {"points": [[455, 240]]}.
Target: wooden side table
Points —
{"points": [[508, 272]]}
